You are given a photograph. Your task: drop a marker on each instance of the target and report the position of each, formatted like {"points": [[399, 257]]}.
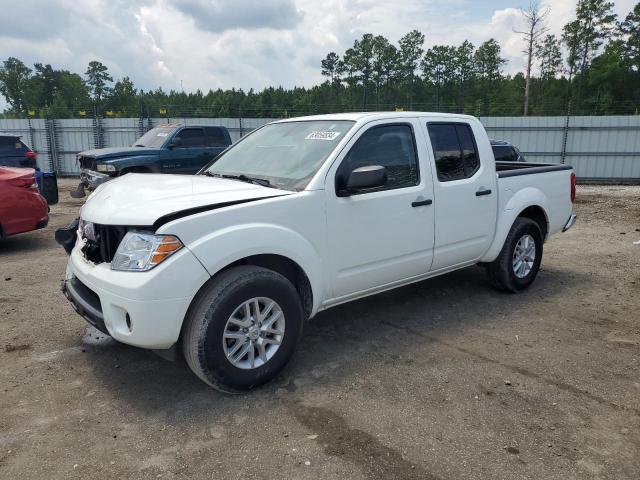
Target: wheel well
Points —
{"points": [[537, 214], [288, 269]]}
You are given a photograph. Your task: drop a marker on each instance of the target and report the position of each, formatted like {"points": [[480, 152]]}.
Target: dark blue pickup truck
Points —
{"points": [[163, 149]]}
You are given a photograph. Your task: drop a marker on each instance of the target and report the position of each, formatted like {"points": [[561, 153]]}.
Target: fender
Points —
{"points": [[149, 161], [515, 205], [240, 241]]}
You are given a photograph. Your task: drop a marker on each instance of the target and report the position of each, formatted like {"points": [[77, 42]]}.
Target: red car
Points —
{"points": [[22, 208]]}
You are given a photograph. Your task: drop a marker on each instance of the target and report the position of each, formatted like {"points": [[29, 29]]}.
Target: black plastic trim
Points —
{"points": [[85, 302], [528, 168], [204, 208], [66, 236], [420, 203]]}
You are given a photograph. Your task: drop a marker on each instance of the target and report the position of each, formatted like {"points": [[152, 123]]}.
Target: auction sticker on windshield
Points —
{"points": [[322, 136]]}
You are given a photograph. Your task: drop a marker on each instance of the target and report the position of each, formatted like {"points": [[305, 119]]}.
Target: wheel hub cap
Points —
{"points": [[253, 333], [524, 256]]}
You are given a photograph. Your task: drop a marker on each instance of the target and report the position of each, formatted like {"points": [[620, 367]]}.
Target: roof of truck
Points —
{"points": [[356, 116]]}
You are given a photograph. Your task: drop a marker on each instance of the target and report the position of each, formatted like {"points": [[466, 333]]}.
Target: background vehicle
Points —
{"points": [[301, 215], [22, 208], [163, 149], [15, 153], [504, 151]]}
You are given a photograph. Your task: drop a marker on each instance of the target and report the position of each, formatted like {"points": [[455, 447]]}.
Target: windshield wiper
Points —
{"points": [[139, 145], [242, 177]]}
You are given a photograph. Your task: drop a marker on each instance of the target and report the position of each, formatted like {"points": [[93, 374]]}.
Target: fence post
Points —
{"points": [[141, 123], [52, 143], [565, 135], [31, 139], [240, 120], [97, 129]]}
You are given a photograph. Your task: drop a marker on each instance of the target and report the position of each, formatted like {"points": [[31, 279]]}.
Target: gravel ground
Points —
{"points": [[445, 379]]}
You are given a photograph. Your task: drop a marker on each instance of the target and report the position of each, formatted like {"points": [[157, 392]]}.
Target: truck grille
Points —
{"points": [[87, 162], [107, 240]]}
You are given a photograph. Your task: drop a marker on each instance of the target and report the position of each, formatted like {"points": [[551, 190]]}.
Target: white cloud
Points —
{"points": [[253, 44]]}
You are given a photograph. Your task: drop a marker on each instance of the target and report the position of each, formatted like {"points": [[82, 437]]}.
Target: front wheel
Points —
{"points": [[242, 328], [519, 260]]}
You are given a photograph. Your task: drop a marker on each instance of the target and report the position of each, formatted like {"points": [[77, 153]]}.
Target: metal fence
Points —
{"points": [[603, 148]]}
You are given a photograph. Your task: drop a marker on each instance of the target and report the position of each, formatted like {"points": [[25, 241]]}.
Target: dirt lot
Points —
{"points": [[445, 379]]}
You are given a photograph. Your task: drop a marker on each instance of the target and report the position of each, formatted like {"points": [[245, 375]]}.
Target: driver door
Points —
{"points": [[384, 235]]}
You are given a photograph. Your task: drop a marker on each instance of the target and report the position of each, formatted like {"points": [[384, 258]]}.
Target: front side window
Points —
{"points": [[455, 150], [389, 146], [191, 137], [288, 154]]}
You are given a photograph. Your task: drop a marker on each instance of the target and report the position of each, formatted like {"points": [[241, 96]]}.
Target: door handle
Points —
{"points": [[420, 203], [479, 193]]}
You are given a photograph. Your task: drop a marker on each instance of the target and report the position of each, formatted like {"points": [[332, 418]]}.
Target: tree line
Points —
{"points": [[593, 67]]}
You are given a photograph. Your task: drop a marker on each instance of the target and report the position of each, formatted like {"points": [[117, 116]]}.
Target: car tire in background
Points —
{"points": [[242, 328], [518, 263]]}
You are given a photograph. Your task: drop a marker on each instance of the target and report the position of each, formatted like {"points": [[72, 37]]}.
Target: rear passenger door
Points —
{"points": [[192, 152], [217, 141], [465, 193]]}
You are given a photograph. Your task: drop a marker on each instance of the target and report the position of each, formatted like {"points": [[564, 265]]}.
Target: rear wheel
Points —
{"points": [[519, 260], [242, 328]]}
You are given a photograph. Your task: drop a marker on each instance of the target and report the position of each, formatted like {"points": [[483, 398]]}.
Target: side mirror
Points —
{"points": [[364, 178], [175, 142]]}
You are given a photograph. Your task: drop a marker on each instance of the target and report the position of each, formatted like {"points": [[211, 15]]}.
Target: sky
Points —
{"points": [[210, 44]]}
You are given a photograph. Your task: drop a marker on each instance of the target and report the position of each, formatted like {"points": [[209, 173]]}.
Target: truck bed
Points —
{"points": [[512, 169]]}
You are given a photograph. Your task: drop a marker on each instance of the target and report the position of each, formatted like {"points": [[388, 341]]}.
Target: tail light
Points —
{"points": [[573, 187], [31, 155], [26, 181]]}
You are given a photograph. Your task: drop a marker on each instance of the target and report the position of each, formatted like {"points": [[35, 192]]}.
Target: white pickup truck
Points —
{"points": [[301, 215]]}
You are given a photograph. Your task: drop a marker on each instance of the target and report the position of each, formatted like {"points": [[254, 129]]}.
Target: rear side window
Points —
{"points": [[390, 146], [192, 137], [215, 137], [504, 153], [455, 150], [11, 144]]}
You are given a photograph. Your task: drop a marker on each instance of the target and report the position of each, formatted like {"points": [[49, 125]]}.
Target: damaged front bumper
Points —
{"points": [[91, 179]]}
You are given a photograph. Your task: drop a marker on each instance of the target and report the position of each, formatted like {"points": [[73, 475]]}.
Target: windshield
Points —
{"points": [[286, 154], [155, 137]]}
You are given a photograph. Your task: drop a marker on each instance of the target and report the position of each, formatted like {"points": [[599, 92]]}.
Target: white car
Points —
{"points": [[301, 215]]}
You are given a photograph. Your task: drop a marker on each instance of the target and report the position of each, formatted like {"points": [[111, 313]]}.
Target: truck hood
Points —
{"points": [[140, 199], [115, 152]]}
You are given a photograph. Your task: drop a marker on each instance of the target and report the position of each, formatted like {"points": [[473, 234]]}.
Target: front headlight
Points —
{"points": [[103, 167], [139, 252]]}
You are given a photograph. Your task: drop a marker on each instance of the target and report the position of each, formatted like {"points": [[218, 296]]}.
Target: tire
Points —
{"points": [[219, 309], [503, 273]]}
